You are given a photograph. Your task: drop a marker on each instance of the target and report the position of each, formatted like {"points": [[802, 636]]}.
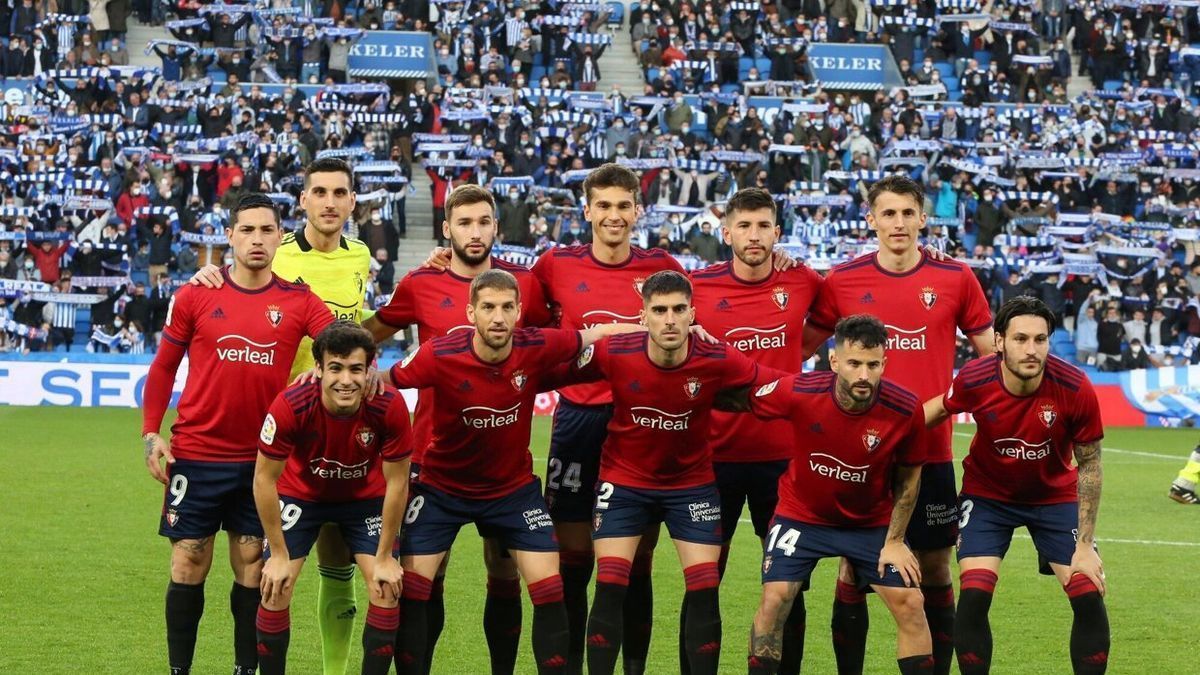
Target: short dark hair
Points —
{"points": [[465, 195], [612, 175], [750, 199], [341, 338], [664, 282], [498, 280], [897, 184], [1023, 305], [862, 329], [329, 165], [253, 200]]}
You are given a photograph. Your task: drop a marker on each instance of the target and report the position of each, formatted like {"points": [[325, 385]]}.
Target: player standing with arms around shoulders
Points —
{"points": [[1034, 413], [336, 268], [240, 341], [478, 467], [435, 300], [326, 456], [923, 302], [760, 311], [849, 492]]}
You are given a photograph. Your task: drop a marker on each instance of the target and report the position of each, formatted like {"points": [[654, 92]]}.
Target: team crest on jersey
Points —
{"points": [[637, 285], [766, 389], [172, 517], [780, 295], [586, 357], [597, 520], [1048, 414], [928, 297], [365, 437], [871, 440], [692, 387], [274, 315], [518, 380], [767, 563]]}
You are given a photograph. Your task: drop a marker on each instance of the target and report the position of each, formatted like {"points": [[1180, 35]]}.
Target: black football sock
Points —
{"points": [[379, 639], [274, 632], [702, 628], [413, 637], [243, 604], [684, 668], [575, 567], [1090, 635], [972, 631], [921, 664], [185, 606], [793, 638], [849, 624], [639, 615], [435, 617], [604, 628], [551, 636], [939, 613], [502, 623]]}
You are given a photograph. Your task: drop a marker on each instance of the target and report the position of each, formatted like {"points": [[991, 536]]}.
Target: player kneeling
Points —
{"points": [[849, 492], [319, 462]]}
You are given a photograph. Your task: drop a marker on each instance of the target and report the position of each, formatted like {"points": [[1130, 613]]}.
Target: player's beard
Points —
{"points": [[1013, 365], [754, 259], [494, 341], [849, 392], [460, 252]]}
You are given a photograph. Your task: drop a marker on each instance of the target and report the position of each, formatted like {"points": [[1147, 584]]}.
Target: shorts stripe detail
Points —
{"points": [[613, 570], [979, 580]]}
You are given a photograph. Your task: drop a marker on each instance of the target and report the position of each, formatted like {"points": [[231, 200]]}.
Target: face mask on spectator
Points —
{"points": [[685, 130], [513, 196], [117, 323], [28, 265], [643, 128]]}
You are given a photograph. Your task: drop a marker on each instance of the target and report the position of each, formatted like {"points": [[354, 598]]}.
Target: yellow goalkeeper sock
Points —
{"points": [[335, 616], [1191, 472]]}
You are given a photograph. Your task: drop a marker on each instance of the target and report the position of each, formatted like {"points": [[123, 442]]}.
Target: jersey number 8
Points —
{"points": [[414, 509]]}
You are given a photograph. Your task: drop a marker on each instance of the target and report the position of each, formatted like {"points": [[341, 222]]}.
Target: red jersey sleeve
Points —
{"points": [[316, 315], [773, 399], [417, 370], [958, 400], [399, 443], [592, 363], [561, 345], [824, 313], [911, 451], [534, 310], [180, 322], [740, 371], [401, 310], [276, 439], [1087, 426], [543, 273], [974, 315]]}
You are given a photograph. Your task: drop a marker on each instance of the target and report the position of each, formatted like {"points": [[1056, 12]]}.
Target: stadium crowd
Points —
{"points": [[116, 172]]}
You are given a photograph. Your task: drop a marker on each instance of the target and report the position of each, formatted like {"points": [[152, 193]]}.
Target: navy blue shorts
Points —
{"points": [[691, 514], [934, 523], [793, 549], [204, 497], [985, 528], [755, 484], [573, 468], [518, 520], [359, 522]]}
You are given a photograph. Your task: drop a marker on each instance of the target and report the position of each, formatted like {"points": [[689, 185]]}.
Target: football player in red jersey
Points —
{"points": [[1034, 414], [923, 301], [849, 492], [327, 455], [656, 465], [478, 467], [240, 341], [760, 311], [435, 300]]}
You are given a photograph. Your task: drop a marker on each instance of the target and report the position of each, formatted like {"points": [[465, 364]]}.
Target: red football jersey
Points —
{"points": [[658, 437], [921, 308], [480, 446], [240, 345], [765, 321], [436, 301], [842, 472], [1022, 451], [334, 458], [588, 292]]}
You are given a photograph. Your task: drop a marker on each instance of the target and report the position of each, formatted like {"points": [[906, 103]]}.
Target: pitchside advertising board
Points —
{"points": [[852, 66]]}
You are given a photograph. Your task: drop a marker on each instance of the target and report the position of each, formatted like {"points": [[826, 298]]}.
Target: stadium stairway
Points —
{"points": [[136, 39]]}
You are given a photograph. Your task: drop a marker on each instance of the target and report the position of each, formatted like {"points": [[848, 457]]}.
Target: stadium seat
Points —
{"points": [[616, 16], [952, 83], [764, 67], [946, 70], [536, 73], [984, 57], [955, 95], [730, 88], [142, 276], [538, 59], [918, 57], [745, 63], [652, 74], [1113, 84]]}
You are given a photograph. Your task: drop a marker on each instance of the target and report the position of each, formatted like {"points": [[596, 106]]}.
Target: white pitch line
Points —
{"points": [[1104, 448]]}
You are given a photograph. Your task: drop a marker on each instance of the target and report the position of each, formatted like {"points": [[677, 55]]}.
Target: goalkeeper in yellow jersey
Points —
{"points": [[1183, 489], [336, 268]]}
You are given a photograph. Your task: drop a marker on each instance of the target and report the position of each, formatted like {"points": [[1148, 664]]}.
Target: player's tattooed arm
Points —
{"points": [[157, 449], [895, 552], [1091, 476]]}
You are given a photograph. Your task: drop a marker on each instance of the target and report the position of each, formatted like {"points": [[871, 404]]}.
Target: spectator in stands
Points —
{"points": [[60, 316], [130, 201], [1051, 293], [703, 243], [514, 215], [1161, 332], [48, 258], [1135, 328], [1086, 340], [385, 272], [1109, 335], [8, 266], [1135, 357]]}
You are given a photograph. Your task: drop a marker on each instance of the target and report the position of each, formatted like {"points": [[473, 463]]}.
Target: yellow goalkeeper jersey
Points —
{"points": [[338, 277]]}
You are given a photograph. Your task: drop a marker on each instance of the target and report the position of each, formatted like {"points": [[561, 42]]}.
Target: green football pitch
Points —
{"points": [[83, 572]]}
